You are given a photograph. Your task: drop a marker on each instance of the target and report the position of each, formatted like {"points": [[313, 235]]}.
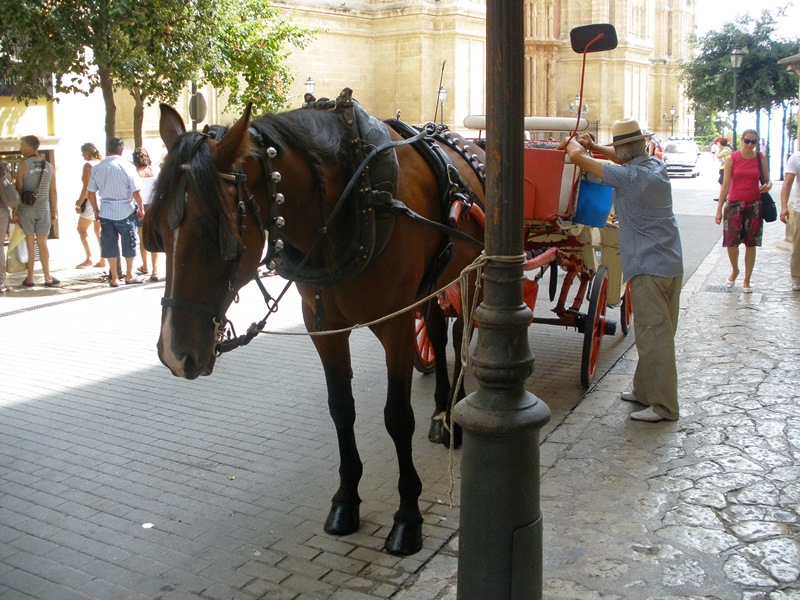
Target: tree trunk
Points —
{"points": [[138, 117], [107, 85]]}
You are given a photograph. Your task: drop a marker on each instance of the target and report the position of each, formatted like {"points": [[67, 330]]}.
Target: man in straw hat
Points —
{"points": [[650, 247]]}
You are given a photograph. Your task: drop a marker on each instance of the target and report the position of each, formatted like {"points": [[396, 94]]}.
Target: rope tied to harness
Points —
{"points": [[462, 280]]}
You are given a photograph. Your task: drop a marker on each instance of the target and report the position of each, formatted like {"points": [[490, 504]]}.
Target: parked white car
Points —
{"points": [[681, 156]]}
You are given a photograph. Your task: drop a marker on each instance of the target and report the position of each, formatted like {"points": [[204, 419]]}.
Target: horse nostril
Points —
{"points": [[189, 366]]}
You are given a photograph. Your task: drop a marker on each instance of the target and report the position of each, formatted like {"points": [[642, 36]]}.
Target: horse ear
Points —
{"points": [[235, 145], [170, 126]]}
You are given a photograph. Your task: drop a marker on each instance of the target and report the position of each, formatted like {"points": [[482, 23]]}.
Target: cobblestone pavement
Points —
{"points": [[234, 471], [706, 508]]}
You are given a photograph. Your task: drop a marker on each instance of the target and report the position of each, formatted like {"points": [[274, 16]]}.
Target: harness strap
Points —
{"points": [[195, 306], [398, 207]]}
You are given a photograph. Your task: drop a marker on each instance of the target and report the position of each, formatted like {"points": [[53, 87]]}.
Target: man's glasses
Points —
{"points": [[753, 142]]}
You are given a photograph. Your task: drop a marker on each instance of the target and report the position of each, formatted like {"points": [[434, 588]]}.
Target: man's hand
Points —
{"points": [[585, 140]]}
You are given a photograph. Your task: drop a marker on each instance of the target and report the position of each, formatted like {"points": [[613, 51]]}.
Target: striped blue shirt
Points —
{"points": [[649, 240], [115, 179]]}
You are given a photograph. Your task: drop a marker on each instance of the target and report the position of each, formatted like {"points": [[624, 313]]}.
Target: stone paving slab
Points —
{"points": [[706, 508]]}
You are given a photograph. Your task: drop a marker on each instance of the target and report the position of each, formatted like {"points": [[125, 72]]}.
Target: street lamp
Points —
{"points": [[671, 119], [736, 63], [575, 106], [310, 83], [442, 95]]}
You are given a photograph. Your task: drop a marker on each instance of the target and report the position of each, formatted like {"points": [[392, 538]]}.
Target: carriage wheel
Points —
{"points": [[595, 326], [626, 310], [424, 361]]}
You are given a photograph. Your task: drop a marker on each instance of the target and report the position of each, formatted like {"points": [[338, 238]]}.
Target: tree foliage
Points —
{"points": [[762, 83], [151, 48]]}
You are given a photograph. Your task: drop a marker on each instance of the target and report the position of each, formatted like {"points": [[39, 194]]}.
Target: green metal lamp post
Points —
{"points": [[736, 63], [671, 119], [500, 543]]}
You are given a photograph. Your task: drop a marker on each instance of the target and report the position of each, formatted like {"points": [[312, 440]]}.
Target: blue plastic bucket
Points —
{"points": [[594, 204]]}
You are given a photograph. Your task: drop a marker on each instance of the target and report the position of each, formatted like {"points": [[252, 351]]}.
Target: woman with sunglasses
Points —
{"points": [[742, 189]]}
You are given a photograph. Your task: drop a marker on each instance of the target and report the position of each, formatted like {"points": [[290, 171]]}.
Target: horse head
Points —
{"points": [[204, 219]]}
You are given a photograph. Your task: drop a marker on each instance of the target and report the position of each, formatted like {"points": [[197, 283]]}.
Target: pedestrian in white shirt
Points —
{"points": [[791, 174], [118, 184]]}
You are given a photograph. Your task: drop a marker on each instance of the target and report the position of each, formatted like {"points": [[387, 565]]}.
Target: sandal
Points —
{"points": [[154, 278], [27, 283], [113, 284], [84, 264], [142, 270], [100, 263], [52, 283]]}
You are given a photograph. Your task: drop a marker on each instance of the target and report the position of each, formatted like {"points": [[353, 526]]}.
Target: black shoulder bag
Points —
{"points": [[28, 197], [769, 212]]}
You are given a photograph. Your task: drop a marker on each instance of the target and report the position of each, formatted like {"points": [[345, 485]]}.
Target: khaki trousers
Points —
{"points": [[4, 219], [655, 302]]}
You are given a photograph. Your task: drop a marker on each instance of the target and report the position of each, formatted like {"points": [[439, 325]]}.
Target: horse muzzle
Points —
{"points": [[187, 364], [183, 357]]}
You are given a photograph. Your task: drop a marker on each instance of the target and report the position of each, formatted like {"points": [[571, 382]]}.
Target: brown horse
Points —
{"points": [[283, 181]]}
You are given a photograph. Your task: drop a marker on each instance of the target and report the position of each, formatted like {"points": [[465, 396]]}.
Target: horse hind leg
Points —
{"points": [[436, 325], [456, 392]]}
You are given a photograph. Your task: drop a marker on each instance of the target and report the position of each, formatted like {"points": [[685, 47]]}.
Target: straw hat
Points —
{"points": [[626, 131]]}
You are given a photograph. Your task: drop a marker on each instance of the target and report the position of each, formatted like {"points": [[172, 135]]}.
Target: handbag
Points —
{"points": [[9, 197], [29, 196], [769, 212]]}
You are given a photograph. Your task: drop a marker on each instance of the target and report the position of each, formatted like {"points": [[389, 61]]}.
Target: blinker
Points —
{"points": [[178, 204]]}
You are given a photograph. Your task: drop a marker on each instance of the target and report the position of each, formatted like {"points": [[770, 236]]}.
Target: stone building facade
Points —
{"points": [[392, 55]]}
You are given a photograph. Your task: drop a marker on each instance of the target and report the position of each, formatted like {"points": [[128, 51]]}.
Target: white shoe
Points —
{"points": [[796, 287], [628, 394], [648, 414], [747, 289]]}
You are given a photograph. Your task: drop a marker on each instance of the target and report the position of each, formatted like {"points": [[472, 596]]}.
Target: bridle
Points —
{"points": [[231, 242]]}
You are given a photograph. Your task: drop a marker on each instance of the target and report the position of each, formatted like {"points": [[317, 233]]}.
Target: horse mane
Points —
{"points": [[320, 137], [204, 181]]}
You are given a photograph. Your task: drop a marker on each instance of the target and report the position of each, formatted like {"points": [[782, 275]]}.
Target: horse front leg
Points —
{"points": [[334, 351], [397, 338]]}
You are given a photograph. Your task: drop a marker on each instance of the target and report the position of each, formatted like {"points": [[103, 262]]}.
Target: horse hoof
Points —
{"points": [[404, 539], [435, 431], [457, 433], [342, 519]]}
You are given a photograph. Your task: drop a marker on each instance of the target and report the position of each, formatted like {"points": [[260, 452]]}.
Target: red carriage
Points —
{"points": [[567, 229]]}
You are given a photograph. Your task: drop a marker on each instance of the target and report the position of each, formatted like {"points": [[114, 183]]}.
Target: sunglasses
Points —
{"points": [[753, 142]]}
